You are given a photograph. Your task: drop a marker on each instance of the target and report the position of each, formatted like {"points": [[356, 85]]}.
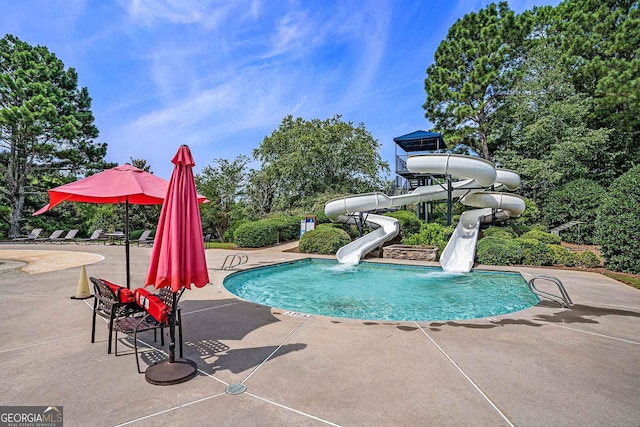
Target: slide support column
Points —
{"points": [[449, 197]]}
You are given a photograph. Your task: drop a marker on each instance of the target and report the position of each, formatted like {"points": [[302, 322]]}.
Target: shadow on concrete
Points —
{"points": [[226, 319], [214, 329], [437, 326], [242, 359], [578, 314]]}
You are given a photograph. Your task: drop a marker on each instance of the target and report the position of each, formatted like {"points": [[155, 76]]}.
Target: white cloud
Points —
{"points": [[208, 13]]}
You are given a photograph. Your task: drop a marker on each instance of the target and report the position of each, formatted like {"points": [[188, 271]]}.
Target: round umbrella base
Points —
{"points": [[165, 373]]}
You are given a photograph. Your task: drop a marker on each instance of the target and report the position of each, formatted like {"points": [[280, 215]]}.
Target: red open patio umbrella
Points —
{"points": [[121, 184], [178, 258]]}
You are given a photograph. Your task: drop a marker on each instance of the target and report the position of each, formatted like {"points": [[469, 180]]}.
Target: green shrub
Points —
{"points": [[431, 234], [535, 252], [542, 236], [617, 226], [255, 234], [350, 229], [520, 229], [502, 232], [266, 232], [323, 240], [587, 259], [409, 222], [563, 256], [287, 227], [135, 234], [498, 251]]}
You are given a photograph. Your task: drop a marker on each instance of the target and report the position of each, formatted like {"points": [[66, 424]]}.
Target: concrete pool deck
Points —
{"points": [[544, 366]]}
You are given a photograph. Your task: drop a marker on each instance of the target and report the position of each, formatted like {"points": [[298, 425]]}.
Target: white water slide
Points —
{"points": [[472, 176]]}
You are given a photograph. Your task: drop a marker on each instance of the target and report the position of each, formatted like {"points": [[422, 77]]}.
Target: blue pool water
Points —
{"points": [[382, 291]]}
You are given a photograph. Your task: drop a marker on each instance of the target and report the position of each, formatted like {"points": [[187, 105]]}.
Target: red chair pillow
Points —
{"points": [[123, 295], [152, 305]]}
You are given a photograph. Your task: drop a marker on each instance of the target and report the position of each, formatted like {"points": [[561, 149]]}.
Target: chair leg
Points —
{"points": [[180, 331], [110, 334], [135, 344], [93, 322]]}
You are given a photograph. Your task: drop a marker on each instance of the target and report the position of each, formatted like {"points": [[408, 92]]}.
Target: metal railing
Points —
{"points": [[234, 260], [563, 299]]}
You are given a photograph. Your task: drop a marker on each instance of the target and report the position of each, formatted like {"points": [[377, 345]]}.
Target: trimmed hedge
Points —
{"points": [[562, 256], [542, 236], [499, 251], [267, 232], [350, 229], [535, 252], [587, 259], [503, 232], [323, 240], [431, 234]]}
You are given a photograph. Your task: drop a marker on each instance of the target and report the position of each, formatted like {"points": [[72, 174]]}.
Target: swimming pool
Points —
{"points": [[382, 291]]}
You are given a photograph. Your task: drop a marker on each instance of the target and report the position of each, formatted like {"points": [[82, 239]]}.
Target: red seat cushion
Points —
{"points": [[152, 304], [123, 295]]}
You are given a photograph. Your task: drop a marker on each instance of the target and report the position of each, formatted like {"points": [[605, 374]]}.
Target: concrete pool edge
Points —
{"points": [[380, 291]]}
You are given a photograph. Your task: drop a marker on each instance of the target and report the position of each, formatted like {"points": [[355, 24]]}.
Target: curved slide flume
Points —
{"points": [[474, 173]]}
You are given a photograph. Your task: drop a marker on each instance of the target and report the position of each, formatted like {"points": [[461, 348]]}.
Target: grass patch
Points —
{"points": [[219, 245], [629, 279]]}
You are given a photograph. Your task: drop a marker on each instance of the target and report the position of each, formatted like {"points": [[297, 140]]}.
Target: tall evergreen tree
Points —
{"points": [[472, 71], [600, 41], [46, 123]]}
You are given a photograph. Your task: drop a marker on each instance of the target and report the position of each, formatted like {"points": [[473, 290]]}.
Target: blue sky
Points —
{"points": [[220, 75]]}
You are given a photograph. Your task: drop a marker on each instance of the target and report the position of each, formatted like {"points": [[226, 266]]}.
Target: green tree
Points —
{"points": [[222, 185], [600, 41], [143, 216], [472, 71], [576, 200], [543, 131], [141, 164], [260, 193], [303, 158], [46, 123]]}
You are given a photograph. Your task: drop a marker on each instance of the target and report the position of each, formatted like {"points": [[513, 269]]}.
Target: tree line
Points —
{"points": [[551, 93]]}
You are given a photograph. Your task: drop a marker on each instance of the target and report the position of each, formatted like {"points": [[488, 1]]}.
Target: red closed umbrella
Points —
{"points": [[121, 184], [178, 258]]}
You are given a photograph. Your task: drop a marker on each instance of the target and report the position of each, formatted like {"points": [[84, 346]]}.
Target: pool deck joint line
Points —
{"points": [[320, 370]]}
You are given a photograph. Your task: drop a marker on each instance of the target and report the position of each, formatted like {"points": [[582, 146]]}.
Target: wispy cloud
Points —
{"points": [[220, 75]]}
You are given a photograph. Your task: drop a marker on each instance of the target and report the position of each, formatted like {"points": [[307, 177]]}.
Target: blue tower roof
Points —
{"points": [[420, 140]]}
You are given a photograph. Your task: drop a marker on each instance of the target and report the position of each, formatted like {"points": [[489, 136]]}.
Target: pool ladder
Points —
{"points": [[234, 260], [563, 299]]}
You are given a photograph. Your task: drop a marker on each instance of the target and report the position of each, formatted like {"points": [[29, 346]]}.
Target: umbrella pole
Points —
{"points": [[172, 371], [172, 332], [126, 240]]}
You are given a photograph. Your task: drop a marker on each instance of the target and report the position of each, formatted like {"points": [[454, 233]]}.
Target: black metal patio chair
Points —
{"points": [[112, 305], [159, 312]]}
